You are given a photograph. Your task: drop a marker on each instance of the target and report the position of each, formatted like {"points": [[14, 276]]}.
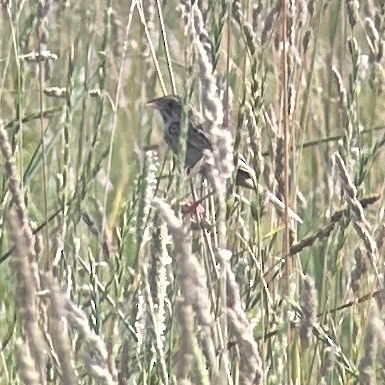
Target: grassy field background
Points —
{"points": [[104, 281]]}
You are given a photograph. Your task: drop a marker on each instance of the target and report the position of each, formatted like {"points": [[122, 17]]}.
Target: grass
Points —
{"points": [[103, 280]]}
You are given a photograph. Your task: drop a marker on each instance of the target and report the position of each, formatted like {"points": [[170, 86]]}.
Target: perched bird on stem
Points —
{"points": [[170, 108]]}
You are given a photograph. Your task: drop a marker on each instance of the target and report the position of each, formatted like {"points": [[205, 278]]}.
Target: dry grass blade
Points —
{"points": [[108, 274]]}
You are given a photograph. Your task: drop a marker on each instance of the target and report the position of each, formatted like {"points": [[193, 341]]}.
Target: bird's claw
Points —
{"points": [[194, 208]]}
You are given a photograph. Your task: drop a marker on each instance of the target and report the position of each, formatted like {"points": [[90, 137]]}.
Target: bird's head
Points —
{"points": [[169, 106]]}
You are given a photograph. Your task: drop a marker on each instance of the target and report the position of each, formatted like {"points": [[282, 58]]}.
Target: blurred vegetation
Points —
{"points": [[103, 280]]}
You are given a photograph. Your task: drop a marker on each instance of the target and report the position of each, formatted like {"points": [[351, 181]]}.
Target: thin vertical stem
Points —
{"points": [[286, 133]]}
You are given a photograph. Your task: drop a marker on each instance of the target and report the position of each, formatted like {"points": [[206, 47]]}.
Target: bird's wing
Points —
{"points": [[196, 136]]}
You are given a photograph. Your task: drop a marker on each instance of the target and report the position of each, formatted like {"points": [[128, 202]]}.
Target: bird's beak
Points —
{"points": [[154, 103]]}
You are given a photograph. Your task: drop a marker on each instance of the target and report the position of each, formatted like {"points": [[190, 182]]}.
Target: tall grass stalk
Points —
{"points": [[104, 278]]}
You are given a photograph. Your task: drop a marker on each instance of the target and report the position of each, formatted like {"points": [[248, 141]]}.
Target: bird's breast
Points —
{"points": [[171, 136]]}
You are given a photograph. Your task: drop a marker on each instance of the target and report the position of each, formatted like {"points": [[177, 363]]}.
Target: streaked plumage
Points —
{"points": [[170, 108]]}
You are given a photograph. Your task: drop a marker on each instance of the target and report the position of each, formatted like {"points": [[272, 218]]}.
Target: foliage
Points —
{"points": [[103, 279]]}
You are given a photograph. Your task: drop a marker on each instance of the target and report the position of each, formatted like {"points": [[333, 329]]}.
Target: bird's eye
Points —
{"points": [[171, 104]]}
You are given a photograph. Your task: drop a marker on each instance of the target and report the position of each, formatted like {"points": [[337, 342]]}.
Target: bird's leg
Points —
{"points": [[196, 206]]}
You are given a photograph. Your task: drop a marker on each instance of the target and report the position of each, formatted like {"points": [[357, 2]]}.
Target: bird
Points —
{"points": [[170, 108]]}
